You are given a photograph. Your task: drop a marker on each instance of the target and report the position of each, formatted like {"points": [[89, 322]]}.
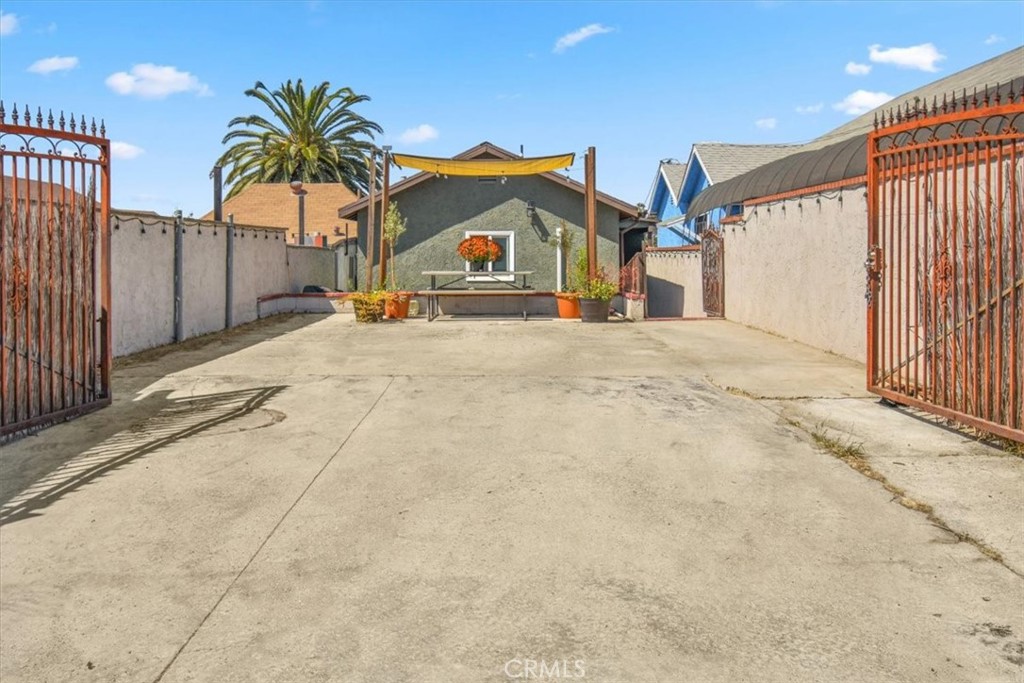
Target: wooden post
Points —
{"points": [[383, 214], [371, 234], [590, 199]]}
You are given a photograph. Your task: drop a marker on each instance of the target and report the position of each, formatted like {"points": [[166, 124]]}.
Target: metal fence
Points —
{"points": [[945, 272], [54, 269], [633, 276]]}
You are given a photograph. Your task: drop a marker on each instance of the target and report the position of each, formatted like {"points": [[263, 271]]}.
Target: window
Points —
{"points": [[496, 270], [702, 223]]}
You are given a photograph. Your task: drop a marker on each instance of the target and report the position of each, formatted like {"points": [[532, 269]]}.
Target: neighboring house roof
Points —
{"points": [[672, 173], [274, 205], [841, 154], [722, 161], [488, 150]]}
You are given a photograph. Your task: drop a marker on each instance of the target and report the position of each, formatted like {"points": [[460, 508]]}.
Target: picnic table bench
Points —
{"points": [[450, 288]]}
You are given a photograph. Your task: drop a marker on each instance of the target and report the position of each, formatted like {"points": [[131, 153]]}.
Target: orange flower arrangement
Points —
{"points": [[479, 249]]}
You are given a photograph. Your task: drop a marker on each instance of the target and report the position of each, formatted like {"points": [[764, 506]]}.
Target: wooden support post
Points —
{"points": [[383, 214], [590, 199], [371, 233]]}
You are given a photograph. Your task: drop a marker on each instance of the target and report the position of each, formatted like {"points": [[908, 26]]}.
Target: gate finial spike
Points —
{"points": [[974, 99], [103, 129], [943, 103], [82, 128], [49, 119], [935, 105], [963, 101], [61, 119], [28, 116], [39, 117], [3, 114], [876, 120], [73, 122], [92, 127], [14, 115]]}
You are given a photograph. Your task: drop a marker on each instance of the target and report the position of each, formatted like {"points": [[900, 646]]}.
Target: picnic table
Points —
{"points": [[458, 284]]}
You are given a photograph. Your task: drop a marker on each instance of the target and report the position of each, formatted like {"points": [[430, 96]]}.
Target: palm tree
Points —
{"points": [[314, 137]]}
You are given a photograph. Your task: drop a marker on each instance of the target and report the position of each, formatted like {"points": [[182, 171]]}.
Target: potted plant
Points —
{"points": [[369, 306], [568, 300], [396, 305], [596, 297], [479, 250]]}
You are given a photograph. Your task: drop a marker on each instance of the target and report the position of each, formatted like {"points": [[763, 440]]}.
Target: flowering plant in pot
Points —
{"points": [[596, 297], [396, 305], [369, 306], [478, 250]]}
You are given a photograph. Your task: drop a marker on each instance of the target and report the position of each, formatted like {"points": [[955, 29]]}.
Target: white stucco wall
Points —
{"points": [[142, 283], [260, 269], [204, 282], [674, 286], [310, 266], [142, 276], [796, 268]]}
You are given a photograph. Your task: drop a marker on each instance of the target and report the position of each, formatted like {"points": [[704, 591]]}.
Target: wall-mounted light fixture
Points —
{"points": [[531, 208]]}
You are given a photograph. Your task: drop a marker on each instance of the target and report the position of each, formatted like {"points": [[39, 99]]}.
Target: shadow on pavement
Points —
{"points": [[178, 419]]}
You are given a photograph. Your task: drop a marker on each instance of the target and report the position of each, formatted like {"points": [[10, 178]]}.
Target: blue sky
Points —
{"points": [[639, 81]]}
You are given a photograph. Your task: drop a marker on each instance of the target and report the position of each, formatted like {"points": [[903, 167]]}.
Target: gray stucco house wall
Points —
{"points": [[441, 210]]}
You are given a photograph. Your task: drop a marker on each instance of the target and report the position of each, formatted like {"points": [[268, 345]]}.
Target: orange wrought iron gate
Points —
{"points": [[945, 249], [712, 258], [54, 269]]}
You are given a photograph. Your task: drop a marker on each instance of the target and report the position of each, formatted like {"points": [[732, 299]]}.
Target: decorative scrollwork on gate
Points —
{"points": [[712, 252]]}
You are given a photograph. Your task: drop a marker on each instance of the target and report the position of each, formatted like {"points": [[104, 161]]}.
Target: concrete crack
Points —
{"points": [[273, 530]]}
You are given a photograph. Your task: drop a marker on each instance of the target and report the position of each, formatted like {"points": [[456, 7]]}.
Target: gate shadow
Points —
{"points": [[177, 419]]}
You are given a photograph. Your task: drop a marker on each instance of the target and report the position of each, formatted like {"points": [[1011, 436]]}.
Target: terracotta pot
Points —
{"points": [[568, 305], [594, 310], [397, 306]]}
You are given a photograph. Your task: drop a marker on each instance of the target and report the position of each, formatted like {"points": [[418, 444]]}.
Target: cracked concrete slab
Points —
{"points": [[315, 500]]}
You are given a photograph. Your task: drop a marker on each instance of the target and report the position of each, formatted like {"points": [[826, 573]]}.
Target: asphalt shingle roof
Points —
{"points": [[723, 161], [674, 175]]}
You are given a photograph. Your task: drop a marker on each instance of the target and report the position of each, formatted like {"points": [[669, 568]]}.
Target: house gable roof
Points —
{"points": [[671, 173], [487, 150]]}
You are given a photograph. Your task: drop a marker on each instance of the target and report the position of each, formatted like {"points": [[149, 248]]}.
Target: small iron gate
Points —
{"points": [[54, 269], [945, 248], [633, 276], [712, 256]]}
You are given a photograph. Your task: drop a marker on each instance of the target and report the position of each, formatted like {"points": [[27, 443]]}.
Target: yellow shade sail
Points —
{"points": [[485, 167]]}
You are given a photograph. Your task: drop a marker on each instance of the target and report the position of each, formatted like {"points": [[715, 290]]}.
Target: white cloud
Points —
{"points": [[861, 101], [766, 124], [124, 150], [810, 108], [855, 69], [993, 39], [51, 64], [151, 81], [421, 133], [922, 57], [8, 23], [579, 35]]}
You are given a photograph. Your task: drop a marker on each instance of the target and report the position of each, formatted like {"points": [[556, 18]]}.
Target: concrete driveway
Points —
{"points": [[312, 500]]}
